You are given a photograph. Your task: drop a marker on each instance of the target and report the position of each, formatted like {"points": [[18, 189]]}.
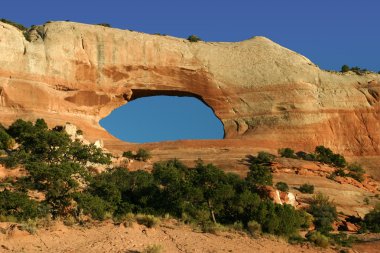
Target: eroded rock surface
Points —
{"points": [[265, 94]]}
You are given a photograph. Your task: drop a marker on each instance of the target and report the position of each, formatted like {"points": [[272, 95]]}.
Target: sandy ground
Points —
{"points": [[107, 237], [368, 247]]}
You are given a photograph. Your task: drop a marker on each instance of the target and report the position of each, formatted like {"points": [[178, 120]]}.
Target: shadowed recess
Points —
{"points": [[163, 118]]}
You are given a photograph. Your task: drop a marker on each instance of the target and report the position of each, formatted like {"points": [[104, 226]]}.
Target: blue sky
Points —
{"points": [[329, 32]]}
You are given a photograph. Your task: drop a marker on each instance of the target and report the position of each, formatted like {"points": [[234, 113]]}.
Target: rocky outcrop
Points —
{"points": [[264, 94]]}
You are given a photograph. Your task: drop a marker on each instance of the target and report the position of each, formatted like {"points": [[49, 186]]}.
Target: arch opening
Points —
{"points": [[154, 116]]}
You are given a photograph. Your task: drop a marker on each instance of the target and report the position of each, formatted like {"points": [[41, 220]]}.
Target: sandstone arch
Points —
{"points": [[264, 94]]}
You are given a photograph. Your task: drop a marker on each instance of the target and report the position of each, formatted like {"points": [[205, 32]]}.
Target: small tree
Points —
{"points": [[282, 186], [194, 38], [324, 212], [356, 171], [142, 155], [259, 175], [104, 24], [17, 25], [128, 154], [287, 152], [18, 204], [345, 68], [306, 188], [372, 220]]}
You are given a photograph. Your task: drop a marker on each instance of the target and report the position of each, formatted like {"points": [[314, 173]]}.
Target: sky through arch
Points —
{"points": [[163, 118]]}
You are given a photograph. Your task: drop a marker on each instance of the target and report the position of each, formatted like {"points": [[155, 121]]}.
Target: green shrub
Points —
{"points": [[69, 220], [253, 227], [306, 219], [127, 219], [17, 25], [259, 175], [147, 220], [154, 248], [306, 188], [356, 172], [318, 239], [194, 38], [265, 157], [326, 155], [343, 239], [128, 154], [323, 211], [6, 140], [92, 205], [30, 226], [296, 239], [142, 155], [282, 186], [355, 167], [211, 227], [372, 220], [104, 24], [18, 204], [287, 152], [238, 226], [345, 68]]}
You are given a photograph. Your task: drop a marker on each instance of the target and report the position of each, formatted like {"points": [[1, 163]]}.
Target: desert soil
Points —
{"points": [[172, 237]]}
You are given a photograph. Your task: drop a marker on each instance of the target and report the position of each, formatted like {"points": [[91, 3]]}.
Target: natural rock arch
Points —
{"points": [[264, 94]]}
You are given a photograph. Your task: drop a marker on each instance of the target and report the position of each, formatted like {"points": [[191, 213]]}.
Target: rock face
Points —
{"points": [[263, 93]]}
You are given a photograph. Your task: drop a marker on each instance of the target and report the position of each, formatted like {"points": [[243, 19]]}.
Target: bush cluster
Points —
{"points": [[324, 213], [17, 25], [282, 186], [321, 154], [56, 167], [372, 220], [259, 169], [202, 194], [194, 38], [140, 155], [326, 155], [357, 70], [306, 188]]}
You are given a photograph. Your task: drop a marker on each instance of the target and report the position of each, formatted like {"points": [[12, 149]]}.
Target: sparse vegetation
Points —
{"points": [[149, 221], [359, 71], [204, 195], [356, 171], [194, 38], [282, 186], [306, 188], [17, 25], [372, 220], [254, 228], [287, 152], [323, 211], [141, 155], [104, 24], [154, 248], [345, 68], [318, 239]]}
